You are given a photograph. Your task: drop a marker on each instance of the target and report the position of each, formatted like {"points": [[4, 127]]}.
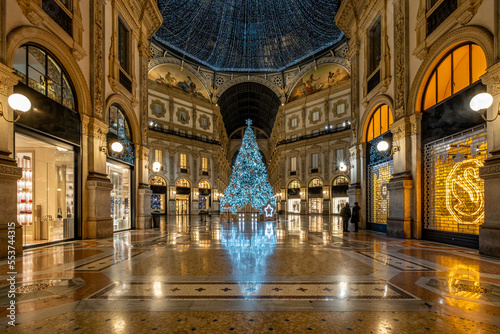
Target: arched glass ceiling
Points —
{"points": [[242, 35], [249, 100]]}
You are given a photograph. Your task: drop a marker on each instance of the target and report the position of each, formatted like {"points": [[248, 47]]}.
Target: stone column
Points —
{"points": [[416, 172], [489, 232], [98, 222], [399, 222], [143, 218], [358, 173], [9, 172]]}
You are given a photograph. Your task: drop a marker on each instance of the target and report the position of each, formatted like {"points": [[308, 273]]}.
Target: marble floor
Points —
{"points": [[301, 274]]}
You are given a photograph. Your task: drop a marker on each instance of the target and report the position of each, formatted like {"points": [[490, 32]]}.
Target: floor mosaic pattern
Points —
{"points": [[302, 274]]}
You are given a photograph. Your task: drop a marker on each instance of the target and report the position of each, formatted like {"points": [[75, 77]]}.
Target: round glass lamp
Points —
{"points": [[481, 101], [19, 102], [382, 146], [156, 166], [117, 147], [342, 167]]}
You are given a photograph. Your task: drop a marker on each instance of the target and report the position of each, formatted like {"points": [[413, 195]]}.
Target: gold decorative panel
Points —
{"points": [[454, 192], [378, 195]]}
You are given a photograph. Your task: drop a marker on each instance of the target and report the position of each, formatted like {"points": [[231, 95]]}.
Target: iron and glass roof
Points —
{"points": [[249, 35]]}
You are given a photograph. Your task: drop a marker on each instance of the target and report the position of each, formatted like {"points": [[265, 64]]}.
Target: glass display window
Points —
{"points": [[46, 190], [294, 205], [120, 177]]}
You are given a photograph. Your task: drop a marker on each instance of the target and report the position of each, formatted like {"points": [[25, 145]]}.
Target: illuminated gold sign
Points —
{"points": [[464, 192]]}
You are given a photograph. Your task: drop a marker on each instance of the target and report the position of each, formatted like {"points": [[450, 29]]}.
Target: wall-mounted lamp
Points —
{"points": [[301, 193], [342, 167], [324, 191], [197, 193], [17, 102], [173, 192], [383, 146], [480, 104], [156, 166]]}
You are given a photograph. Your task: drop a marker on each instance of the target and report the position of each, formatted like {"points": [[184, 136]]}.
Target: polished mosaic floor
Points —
{"points": [[297, 275]]}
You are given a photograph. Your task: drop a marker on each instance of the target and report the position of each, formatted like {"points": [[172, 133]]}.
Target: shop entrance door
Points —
{"points": [[182, 205]]}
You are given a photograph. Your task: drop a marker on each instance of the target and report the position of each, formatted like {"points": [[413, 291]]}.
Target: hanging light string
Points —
{"points": [[249, 36]]}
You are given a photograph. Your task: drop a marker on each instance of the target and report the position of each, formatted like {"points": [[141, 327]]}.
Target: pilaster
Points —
{"points": [[144, 193], [489, 232]]}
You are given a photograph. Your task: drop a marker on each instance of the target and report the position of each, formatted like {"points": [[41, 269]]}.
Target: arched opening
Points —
{"points": [[182, 196], [204, 198], [340, 185], [293, 196], [454, 145], [315, 195], [120, 168], [158, 186], [47, 148], [379, 168]]}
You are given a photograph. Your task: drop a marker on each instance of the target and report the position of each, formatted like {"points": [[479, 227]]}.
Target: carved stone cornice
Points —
{"points": [[7, 80], [10, 172], [97, 129], [492, 79]]}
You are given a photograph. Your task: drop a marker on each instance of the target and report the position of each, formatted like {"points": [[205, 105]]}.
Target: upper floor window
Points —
{"points": [[118, 123], [61, 12], [457, 69], [294, 184], [316, 182], [294, 122], [293, 164], [315, 131], [340, 108], [204, 122], [204, 164], [182, 183], [340, 155], [374, 45], [182, 116], [158, 155], [183, 161], [379, 122], [42, 72], [438, 11], [314, 160], [123, 45], [315, 116]]}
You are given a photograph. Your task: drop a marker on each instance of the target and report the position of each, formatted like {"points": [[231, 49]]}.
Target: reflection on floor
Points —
{"points": [[300, 274]]}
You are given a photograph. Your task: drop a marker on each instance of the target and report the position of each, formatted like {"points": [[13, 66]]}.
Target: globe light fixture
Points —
{"points": [[383, 146], [480, 104], [342, 167], [117, 147], [18, 102], [156, 166]]}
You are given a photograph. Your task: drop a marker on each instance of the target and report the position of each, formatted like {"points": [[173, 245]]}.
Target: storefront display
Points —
{"points": [[46, 198], [315, 205], [294, 205], [120, 195], [454, 192]]}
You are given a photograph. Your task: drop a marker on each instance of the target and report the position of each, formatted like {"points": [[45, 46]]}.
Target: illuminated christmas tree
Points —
{"points": [[249, 183]]}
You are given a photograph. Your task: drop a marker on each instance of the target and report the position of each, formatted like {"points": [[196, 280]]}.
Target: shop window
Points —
{"points": [[294, 184], [183, 183], [316, 182], [341, 181], [43, 73], [457, 69], [379, 122], [120, 177], [183, 161], [204, 185]]}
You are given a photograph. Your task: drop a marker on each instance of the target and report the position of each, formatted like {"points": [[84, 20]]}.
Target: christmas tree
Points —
{"points": [[249, 183]]}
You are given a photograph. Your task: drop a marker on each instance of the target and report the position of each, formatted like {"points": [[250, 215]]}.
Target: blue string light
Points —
{"points": [[242, 35], [249, 183]]}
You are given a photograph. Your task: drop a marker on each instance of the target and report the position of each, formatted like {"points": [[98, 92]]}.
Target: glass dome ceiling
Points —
{"points": [[249, 35]]}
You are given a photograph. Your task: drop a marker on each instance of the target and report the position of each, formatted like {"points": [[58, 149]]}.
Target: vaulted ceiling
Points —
{"points": [[248, 36], [249, 100]]}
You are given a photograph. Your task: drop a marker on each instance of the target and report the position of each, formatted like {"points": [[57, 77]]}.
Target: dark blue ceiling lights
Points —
{"points": [[249, 35]]}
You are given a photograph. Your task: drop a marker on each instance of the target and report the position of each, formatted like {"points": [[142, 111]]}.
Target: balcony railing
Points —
{"points": [[184, 135], [314, 135]]}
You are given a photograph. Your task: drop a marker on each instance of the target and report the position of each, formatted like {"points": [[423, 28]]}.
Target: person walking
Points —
{"points": [[355, 216], [345, 213]]}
